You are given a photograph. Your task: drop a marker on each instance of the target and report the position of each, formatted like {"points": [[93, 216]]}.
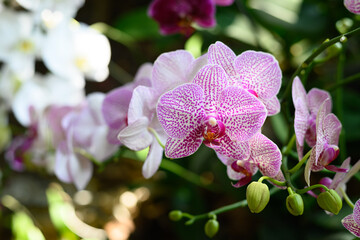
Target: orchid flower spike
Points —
{"points": [[306, 109], [257, 72]]}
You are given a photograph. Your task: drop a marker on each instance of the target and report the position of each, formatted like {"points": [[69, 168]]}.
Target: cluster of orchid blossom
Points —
{"points": [[172, 106], [62, 122]]}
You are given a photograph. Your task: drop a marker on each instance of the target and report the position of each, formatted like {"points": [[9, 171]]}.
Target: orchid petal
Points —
{"points": [[339, 177], [136, 136], [196, 65], [233, 149], [179, 148], [309, 164], [260, 72], [243, 114], [272, 105], [62, 158], [356, 213], [353, 6], [153, 160], [332, 128], [81, 170], [142, 104], [320, 135], [143, 75], [222, 55], [350, 224], [301, 111], [181, 110], [100, 148], [315, 98], [170, 71], [265, 154], [213, 80]]}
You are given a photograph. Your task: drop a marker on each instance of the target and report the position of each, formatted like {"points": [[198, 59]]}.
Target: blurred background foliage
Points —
{"points": [[120, 203]]}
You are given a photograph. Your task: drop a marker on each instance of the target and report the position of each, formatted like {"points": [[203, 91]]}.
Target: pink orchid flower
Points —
{"points": [[144, 129], [328, 128], [258, 72], [85, 130], [210, 110], [352, 222], [116, 103], [306, 110], [353, 6], [224, 2], [264, 156], [177, 15]]}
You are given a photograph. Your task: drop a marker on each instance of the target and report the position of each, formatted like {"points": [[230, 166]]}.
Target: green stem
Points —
{"points": [[316, 52], [86, 155], [119, 73], [156, 136], [242, 203], [114, 34], [344, 82], [290, 145], [301, 191], [346, 198], [272, 180], [299, 164]]}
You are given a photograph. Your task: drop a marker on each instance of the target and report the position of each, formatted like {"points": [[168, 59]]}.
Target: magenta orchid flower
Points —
{"points": [[116, 103], [86, 139], [264, 156], [353, 6], [352, 222], [258, 72], [144, 129], [209, 110], [306, 110], [328, 128], [177, 15], [224, 2]]}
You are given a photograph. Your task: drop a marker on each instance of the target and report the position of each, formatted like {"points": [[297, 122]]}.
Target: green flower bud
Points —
{"points": [[175, 215], [211, 227], [295, 204], [330, 201], [257, 196], [344, 25]]}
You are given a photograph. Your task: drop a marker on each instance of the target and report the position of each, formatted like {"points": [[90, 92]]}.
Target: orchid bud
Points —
{"points": [[257, 196], [211, 227], [330, 201], [344, 25], [175, 215], [295, 204]]}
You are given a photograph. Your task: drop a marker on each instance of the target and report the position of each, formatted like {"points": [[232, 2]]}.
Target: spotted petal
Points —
{"points": [[315, 98], [243, 114], [233, 149], [222, 55], [349, 223], [179, 148], [266, 155], [320, 134], [331, 129], [181, 110], [272, 105], [353, 6], [213, 80], [260, 72]]}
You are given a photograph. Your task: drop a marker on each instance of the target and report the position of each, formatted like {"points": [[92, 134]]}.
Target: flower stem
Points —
{"points": [[346, 198], [242, 203], [287, 149], [316, 52], [114, 34], [299, 164], [272, 180], [344, 82], [301, 191], [156, 136]]}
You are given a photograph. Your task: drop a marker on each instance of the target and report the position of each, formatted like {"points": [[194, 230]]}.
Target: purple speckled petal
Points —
{"points": [[181, 110], [353, 6], [171, 70], [233, 149], [301, 111], [213, 80], [339, 177], [349, 223], [153, 160], [315, 98], [332, 128], [243, 114], [222, 55], [265, 154], [272, 105], [356, 213], [259, 72], [179, 148], [309, 164], [320, 135], [196, 66]]}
